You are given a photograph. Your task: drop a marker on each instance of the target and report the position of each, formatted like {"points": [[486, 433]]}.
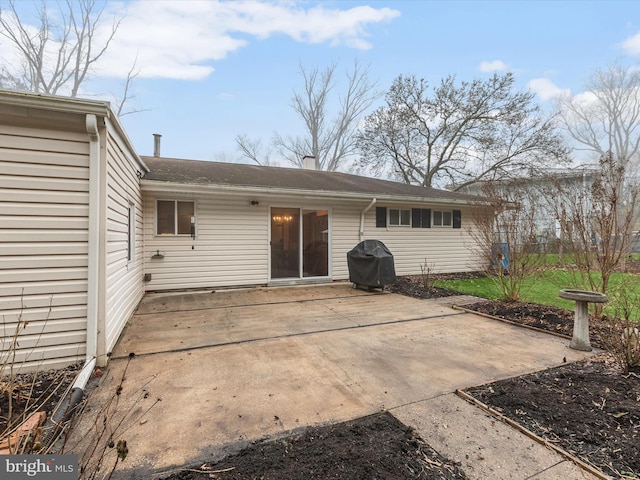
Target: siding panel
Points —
{"points": [[123, 279], [43, 245]]}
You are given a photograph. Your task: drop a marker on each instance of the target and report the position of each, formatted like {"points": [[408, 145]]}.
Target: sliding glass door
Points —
{"points": [[299, 243]]}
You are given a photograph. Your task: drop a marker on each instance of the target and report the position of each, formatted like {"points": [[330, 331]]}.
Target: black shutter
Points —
{"points": [[426, 218], [457, 219], [381, 217], [416, 217]]}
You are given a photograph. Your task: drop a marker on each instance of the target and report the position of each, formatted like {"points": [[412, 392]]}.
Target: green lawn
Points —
{"points": [[543, 290]]}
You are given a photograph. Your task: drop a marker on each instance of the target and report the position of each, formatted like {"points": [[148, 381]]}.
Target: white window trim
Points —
{"points": [[175, 218], [442, 212], [400, 210]]}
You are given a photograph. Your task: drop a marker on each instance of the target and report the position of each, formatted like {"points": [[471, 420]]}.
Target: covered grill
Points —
{"points": [[371, 265]]}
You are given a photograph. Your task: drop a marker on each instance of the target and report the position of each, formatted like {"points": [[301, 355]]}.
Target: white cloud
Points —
{"points": [[495, 66], [632, 44], [181, 39], [546, 89]]}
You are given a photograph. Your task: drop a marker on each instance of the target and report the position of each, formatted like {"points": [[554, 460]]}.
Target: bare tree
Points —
{"points": [[606, 119], [127, 96], [254, 150], [457, 134], [329, 138], [57, 58]]}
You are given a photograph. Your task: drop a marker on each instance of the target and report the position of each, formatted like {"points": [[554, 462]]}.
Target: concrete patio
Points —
{"points": [[236, 366]]}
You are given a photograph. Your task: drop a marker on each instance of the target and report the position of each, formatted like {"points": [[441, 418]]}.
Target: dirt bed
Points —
{"points": [[588, 409], [23, 394], [376, 447]]}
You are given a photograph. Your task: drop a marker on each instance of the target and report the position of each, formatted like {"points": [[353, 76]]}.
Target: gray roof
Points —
{"points": [[194, 172]]}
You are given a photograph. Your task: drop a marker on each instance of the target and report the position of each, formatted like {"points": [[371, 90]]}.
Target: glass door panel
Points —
{"points": [[285, 243], [315, 241]]}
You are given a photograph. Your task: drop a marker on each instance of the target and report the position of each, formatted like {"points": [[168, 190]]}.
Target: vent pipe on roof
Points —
{"points": [[309, 162], [156, 144]]}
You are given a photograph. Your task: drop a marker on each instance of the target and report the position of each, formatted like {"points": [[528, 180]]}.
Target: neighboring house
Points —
{"points": [[87, 226], [536, 188], [71, 253]]}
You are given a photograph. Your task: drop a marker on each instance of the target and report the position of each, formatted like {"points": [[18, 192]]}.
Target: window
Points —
{"points": [[131, 237], [174, 217], [442, 219], [399, 217]]}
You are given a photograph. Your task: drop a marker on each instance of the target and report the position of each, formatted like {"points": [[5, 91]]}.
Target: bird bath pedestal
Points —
{"points": [[580, 339]]}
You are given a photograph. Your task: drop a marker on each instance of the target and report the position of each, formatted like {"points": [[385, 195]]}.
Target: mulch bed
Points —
{"points": [[26, 393], [373, 447], [587, 408]]}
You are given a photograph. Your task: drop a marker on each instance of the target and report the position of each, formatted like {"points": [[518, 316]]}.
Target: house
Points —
{"points": [[532, 190], [255, 225], [71, 251], [87, 227]]}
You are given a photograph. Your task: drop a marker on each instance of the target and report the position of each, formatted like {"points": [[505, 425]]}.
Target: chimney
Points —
{"points": [[156, 144], [309, 162]]}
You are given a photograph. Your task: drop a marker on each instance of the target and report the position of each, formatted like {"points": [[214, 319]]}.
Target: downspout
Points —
{"points": [[373, 202], [93, 280]]}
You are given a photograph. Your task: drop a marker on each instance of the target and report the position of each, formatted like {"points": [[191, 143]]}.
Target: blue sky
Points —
{"points": [[212, 70]]}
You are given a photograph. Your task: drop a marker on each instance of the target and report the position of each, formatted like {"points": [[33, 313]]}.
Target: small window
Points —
{"points": [[442, 219], [174, 217], [399, 217], [131, 240]]}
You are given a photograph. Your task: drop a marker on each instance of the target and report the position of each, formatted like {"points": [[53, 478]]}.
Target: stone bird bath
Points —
{"points": [[580, 339]]}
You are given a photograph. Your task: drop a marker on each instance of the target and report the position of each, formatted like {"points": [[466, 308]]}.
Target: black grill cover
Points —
{"points": [[371, 264]]}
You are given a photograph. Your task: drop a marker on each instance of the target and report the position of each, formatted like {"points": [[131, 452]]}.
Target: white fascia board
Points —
{"points": [[54, 103], [154, 186]]}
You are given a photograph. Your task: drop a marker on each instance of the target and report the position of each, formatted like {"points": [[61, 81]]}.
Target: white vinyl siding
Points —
{"points": [[448, 250], [44, 195], [231, 247], [124, 286]]}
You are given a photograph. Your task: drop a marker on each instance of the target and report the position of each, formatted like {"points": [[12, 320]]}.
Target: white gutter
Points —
{"points": [[373, 202], [94, 237]]}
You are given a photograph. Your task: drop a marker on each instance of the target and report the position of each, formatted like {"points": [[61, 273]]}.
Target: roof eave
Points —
{"points": [[177, 187], [70, 105], [55, 103]]}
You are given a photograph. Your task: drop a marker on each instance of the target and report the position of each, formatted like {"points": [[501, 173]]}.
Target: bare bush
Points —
{"points": [[596, 219], [427, 271], [620, 333], [507, 236]]}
